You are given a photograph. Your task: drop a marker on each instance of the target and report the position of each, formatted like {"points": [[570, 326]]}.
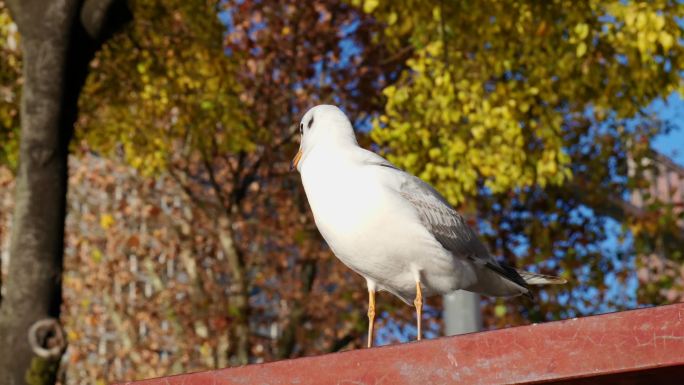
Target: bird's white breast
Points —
{"points": [[344, 200]]}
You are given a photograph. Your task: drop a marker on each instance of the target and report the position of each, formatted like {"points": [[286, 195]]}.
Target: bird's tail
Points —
{"points": [[540, 279]]}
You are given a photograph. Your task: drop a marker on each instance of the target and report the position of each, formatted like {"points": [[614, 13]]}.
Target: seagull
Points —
{"points": [[389, 226]]}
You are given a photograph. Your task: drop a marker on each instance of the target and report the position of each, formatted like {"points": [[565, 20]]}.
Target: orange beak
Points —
{"points": [[296, 159]]}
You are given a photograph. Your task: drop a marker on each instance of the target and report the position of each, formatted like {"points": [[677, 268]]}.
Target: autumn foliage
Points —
{"points": [[190, 245]]}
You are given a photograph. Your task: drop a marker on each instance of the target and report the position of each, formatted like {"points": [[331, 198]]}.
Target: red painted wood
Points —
{"points": [[633, 347]]}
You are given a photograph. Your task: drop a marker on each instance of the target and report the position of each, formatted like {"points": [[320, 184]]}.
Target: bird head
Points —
{"points": [[323, 125]]}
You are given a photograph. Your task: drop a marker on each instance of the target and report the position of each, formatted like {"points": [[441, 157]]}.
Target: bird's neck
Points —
{"points": [[330, 156]]}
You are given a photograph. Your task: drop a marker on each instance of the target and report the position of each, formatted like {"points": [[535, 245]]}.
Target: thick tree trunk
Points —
{"points": [[56, 52], [33, 284]]}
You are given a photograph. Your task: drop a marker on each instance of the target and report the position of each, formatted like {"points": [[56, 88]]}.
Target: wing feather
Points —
{"points": [[447, 226]]}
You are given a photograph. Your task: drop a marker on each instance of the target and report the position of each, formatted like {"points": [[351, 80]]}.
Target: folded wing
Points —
{"points": [[447, 226]]}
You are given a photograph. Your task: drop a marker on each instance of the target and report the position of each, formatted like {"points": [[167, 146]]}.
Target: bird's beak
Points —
{"points": [[296, 159]]}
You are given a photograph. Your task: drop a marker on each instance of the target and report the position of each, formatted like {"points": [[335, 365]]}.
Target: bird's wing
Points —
{"points": [[447, 226]]}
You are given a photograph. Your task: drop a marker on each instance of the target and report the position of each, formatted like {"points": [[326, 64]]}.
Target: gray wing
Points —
{"points": [[450, 229], [447, 225]]}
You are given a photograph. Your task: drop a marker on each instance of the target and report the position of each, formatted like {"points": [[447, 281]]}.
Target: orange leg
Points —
{"points": [[371, 316], [418, 302]]}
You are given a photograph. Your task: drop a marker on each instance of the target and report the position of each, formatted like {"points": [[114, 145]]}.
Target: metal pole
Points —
{"points": [[462, 313]]}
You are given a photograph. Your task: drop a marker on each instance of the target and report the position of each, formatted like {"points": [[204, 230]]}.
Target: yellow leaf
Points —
{"points": [[106, 221], [666, 40], [582, 30], [581, 49], [97, 255], [370, 5], [389, 91], [392, 18]]}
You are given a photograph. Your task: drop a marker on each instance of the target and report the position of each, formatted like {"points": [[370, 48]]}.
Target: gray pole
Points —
{"points": [[462, 313]]}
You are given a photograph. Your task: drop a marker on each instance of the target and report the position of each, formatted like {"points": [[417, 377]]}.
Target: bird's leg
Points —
{"points": [[418, 302], [371, 315]]}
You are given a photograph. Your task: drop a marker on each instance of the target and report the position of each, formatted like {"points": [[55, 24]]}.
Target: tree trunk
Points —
{"points": [[288, 339], [56, 52], [239, 296]]}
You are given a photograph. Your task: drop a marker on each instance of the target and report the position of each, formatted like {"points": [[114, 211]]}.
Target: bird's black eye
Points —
{"points": [[301, 128], [308, 125]]}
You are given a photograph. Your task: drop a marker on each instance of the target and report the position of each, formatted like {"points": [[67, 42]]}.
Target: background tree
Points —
{"points": [[219, 118], [10, 86], [525, 114]]}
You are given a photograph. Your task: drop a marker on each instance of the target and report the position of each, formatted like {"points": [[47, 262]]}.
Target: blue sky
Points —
{"points": [[672, 144]]}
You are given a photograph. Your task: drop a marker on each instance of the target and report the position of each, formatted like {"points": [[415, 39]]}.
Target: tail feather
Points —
{"points": [[540, 279]]}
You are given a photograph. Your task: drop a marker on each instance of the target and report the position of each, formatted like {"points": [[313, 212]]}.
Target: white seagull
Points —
{"points": [[389, 226]]}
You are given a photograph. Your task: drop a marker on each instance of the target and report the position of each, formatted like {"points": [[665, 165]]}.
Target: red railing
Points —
{"points": [[633, 347]]}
